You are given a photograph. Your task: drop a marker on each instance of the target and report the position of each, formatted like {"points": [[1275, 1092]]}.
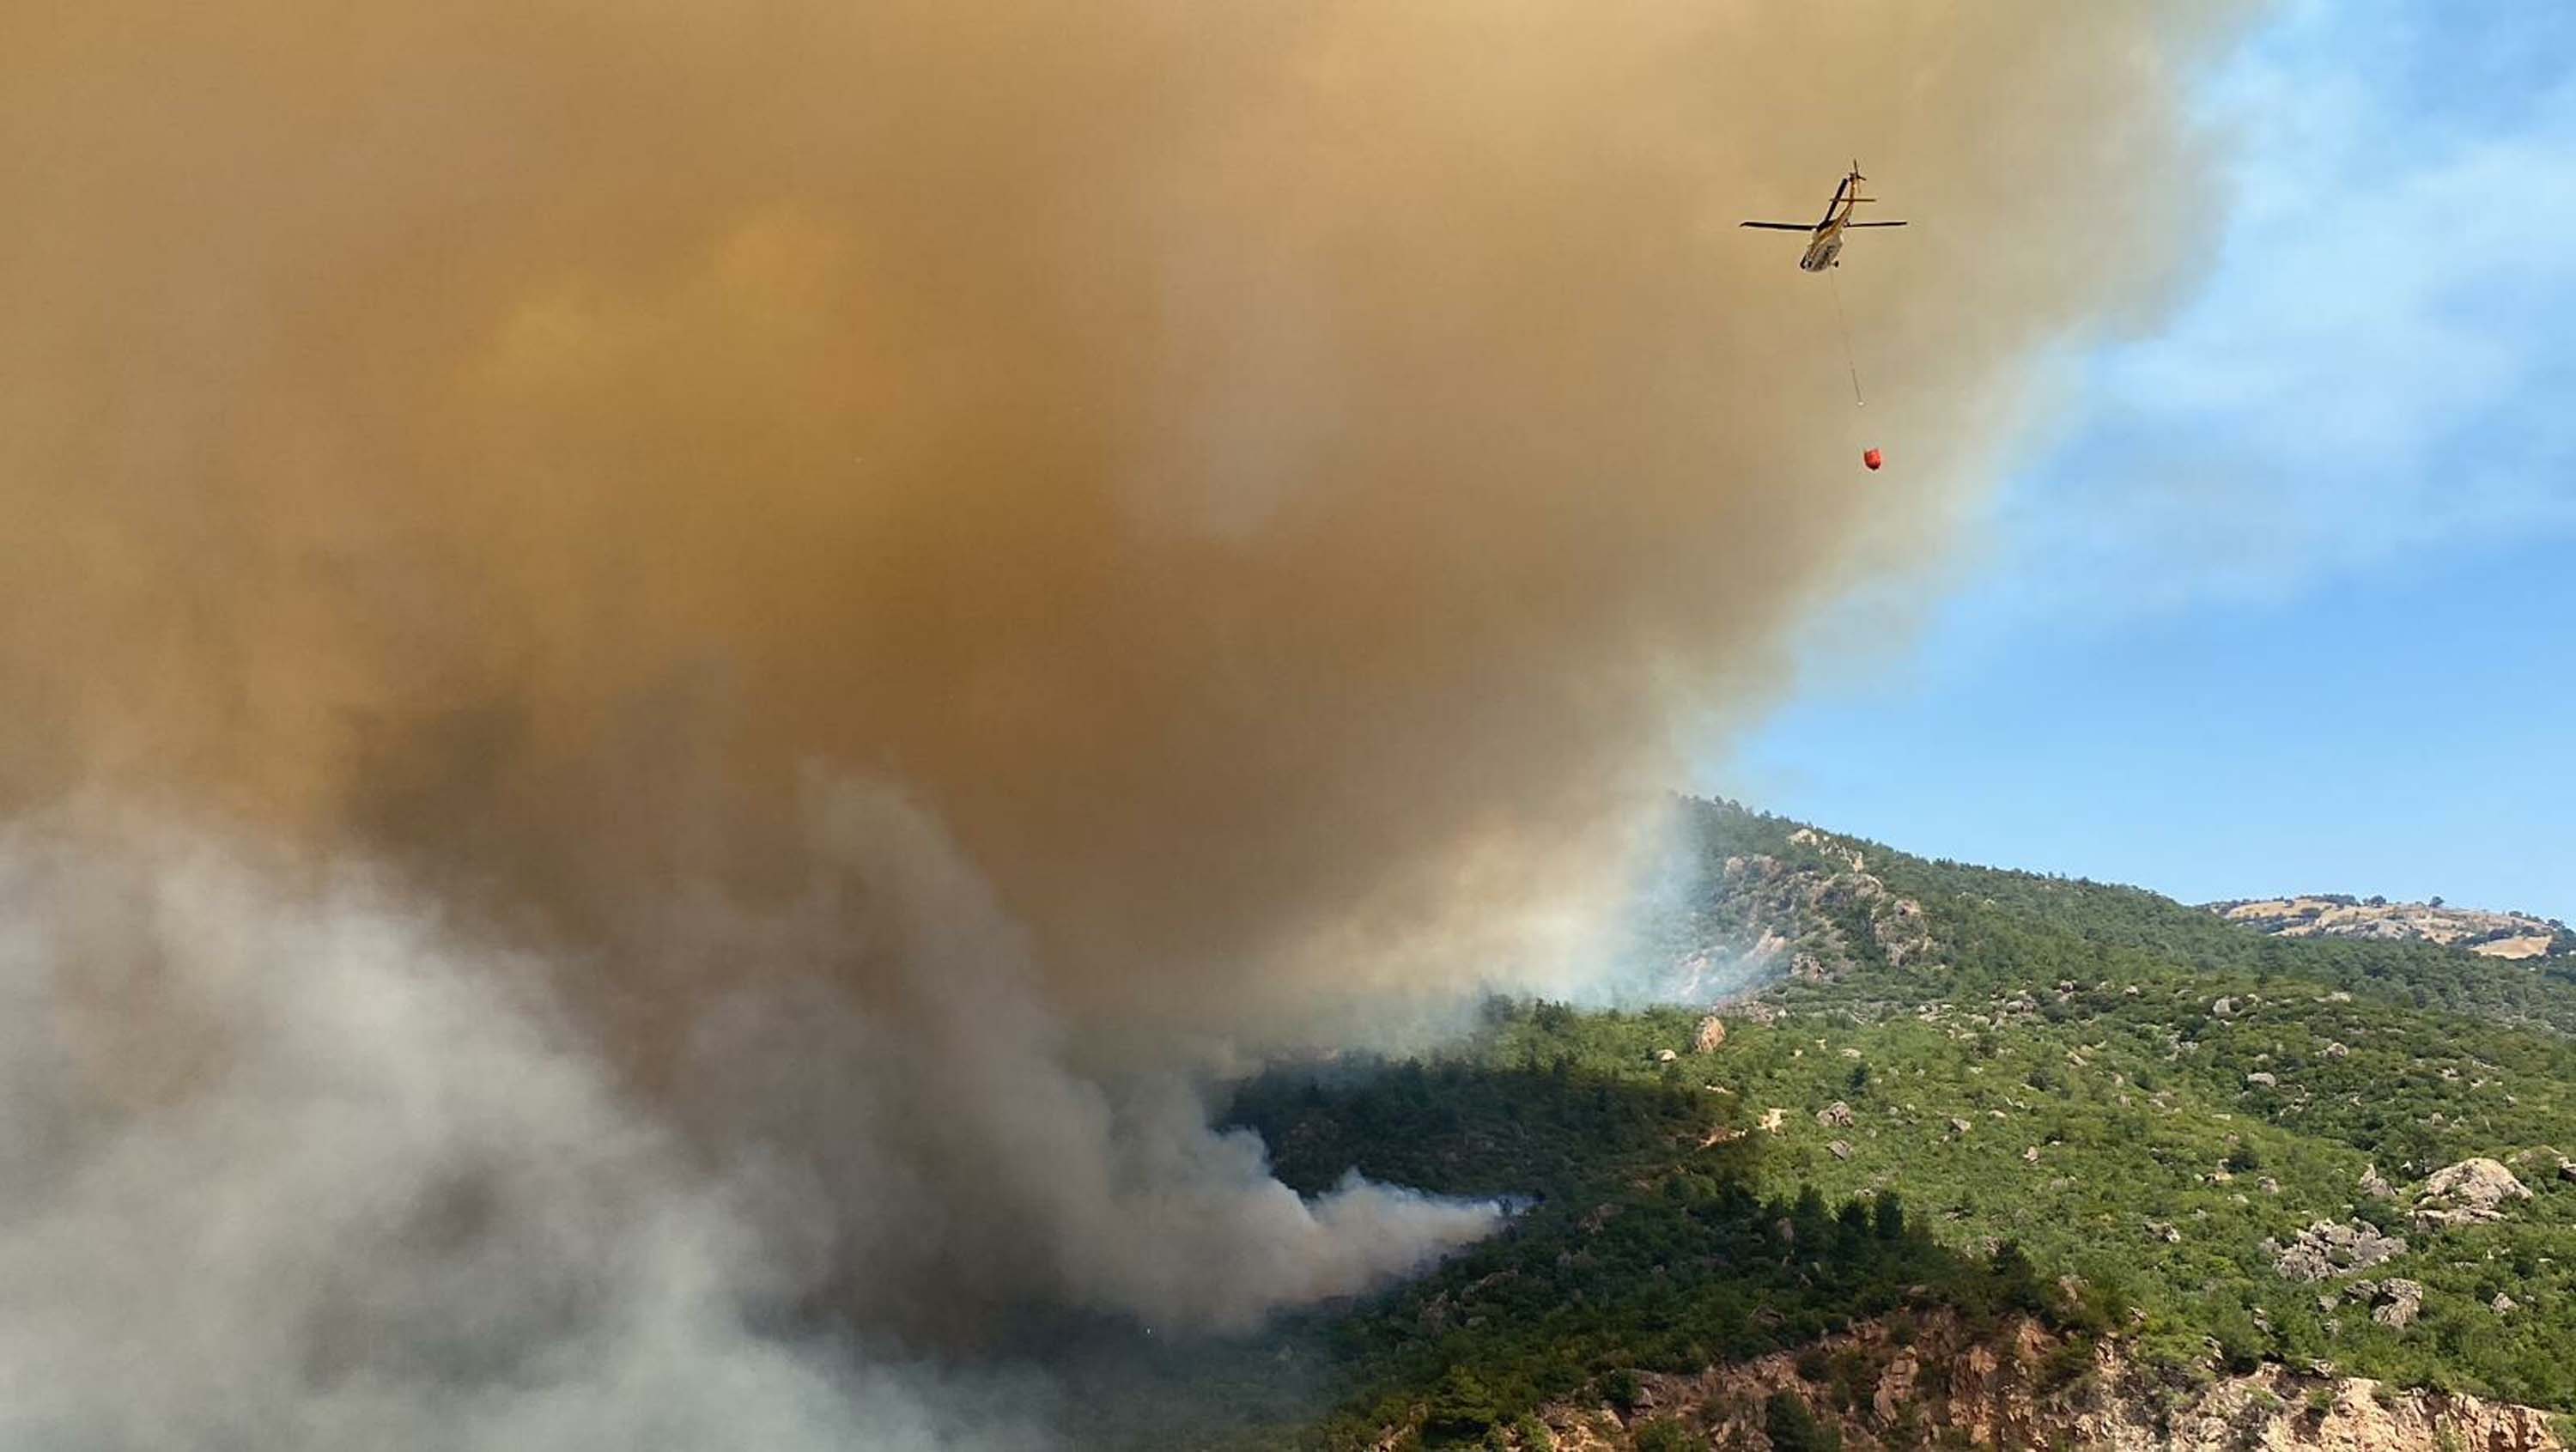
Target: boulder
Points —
{"points": [[2397, 1303], [2327, 1249], [1835, 1115], [2471, 1191], [1712, 1033]]}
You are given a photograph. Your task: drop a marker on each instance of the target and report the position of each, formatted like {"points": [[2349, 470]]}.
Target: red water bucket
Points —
{"points": [[1873, 458]]}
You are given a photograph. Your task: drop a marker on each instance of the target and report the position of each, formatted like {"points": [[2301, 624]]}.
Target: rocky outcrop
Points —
{"points": [[1922, 1380], [2468, 1192], [2327, 1249], [2395, 1302], [1842, 852], [1711, 1036], [2326, 915], [1812, 915]]}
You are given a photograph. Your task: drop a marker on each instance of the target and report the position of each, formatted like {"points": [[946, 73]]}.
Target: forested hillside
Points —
{"points": [[1986, 1098]]}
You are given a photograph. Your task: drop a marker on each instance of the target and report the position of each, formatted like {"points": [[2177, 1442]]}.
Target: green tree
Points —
{"points": [[1663, 1434], [1793, 1428], [1621, 1390], [1461, 1410], [1888, 1216]]}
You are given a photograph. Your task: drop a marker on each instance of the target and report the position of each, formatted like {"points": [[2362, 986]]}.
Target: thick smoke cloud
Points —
{"points": [[293, 1171], [1265, 485], [962, 1158]]}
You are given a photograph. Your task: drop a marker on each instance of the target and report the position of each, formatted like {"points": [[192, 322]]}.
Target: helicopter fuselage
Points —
{"points": [[1822, 252]]}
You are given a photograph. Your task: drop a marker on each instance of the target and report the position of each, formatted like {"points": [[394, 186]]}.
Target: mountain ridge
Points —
{"points": [[2488, 933], [2221, 1161]]}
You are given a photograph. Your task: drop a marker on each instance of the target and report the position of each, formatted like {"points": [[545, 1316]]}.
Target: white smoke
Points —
{"points": [[288, 1163], [956, 1102], [358, 1192]]}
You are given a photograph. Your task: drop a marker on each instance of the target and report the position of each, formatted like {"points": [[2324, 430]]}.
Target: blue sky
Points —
{"points": [[2288, 600]]}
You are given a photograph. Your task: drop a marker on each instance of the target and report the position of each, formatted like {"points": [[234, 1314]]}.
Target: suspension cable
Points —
{"points": [[1834, 282]]}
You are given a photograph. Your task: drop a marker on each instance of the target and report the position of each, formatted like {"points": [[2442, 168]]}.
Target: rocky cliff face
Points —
{"points": [[1772, 917], [1923, 1381], [2497, 935]]}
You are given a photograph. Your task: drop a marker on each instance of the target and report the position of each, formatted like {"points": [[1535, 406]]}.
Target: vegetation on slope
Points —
{"points": [[2083, 1101], [1643, 1244]]}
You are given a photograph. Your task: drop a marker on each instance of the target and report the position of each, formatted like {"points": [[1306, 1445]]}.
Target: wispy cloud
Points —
{"points": [[2379, 362]]}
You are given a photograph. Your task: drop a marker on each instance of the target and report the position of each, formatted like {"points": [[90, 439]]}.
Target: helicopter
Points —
{"points": [[1825, 244]]}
